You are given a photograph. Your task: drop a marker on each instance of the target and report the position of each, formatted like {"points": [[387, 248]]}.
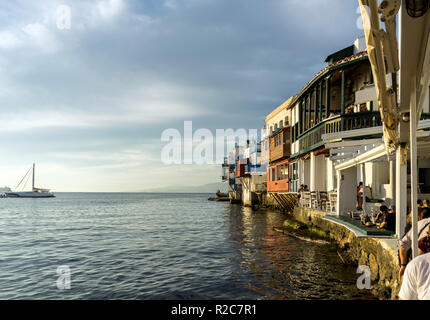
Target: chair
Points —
{"points": [[332, 202], [306, 200], [314, 200], [323, 200]]}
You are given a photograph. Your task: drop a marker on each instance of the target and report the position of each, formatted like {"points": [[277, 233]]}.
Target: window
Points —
{"points": [[287, 123], [281, 124], [294, 182], [278, 140]]}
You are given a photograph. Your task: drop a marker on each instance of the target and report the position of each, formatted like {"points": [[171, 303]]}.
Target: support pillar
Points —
{"points": [[320, 101], [342, 96], [300, 117], [309, 110], [315, 95], [392, 181], [414, 168], [363, 179], [313, 173], [327, 97], [401, 191]]}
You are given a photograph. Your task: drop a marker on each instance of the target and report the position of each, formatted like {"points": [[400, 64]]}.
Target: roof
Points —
{"points": [[339, 55], [283, 106], [336, 64]]}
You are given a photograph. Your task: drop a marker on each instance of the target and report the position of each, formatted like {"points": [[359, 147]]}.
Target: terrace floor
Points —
{"points": [[358, 228]]}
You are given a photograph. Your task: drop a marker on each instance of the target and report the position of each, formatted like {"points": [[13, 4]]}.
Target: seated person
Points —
{"points": [[380, 216], [389, 220]]}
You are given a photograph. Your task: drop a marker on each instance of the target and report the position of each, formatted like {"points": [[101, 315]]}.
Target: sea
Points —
{"points": [[160, 247]]}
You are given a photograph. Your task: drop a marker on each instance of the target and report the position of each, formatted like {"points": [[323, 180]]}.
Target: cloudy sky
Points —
{"points": [[89, 104]]}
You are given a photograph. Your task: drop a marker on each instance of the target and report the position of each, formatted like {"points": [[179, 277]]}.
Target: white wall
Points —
{"points": [[331, 175], [320, 173]]}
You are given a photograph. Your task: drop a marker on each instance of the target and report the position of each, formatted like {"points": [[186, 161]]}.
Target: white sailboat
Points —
{"points": [[35, 193]]}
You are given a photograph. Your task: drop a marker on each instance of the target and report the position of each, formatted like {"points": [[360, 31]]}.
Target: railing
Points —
{"points": [[425, 116], [312, 138], [353, 121]]}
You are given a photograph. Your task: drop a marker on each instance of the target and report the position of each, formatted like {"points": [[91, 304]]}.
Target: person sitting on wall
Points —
{"points": [[389, 221], [416, 280], [405, 243]]}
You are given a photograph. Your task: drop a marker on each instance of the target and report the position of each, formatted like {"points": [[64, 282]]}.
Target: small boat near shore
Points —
{"points": [[34, 193], [219, 196]]}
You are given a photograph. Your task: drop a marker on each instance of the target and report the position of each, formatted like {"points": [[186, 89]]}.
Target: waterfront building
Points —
{"points": [[229, 172], [329, 137], [278, 175], [254, 177]]}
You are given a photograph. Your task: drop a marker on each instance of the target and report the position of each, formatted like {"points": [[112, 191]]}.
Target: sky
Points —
{"points": [[89, 103]]}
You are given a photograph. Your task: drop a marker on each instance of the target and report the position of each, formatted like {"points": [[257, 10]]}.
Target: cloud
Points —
{"points": [[127, 70], [9, 40], [171, 4], [110, 8]]}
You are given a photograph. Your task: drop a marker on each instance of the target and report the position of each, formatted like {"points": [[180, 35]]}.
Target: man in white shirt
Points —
{"points": [[416, 281], [406, 242]]}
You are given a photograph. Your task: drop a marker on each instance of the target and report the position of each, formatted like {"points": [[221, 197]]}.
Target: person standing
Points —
{"points": [[405, 243], [416, 280]]}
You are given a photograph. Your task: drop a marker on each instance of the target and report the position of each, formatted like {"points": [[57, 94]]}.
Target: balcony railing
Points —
{"points": [[312, 138]]}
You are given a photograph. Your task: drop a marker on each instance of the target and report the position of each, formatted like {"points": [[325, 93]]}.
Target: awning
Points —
{"points": [[370, 155]]}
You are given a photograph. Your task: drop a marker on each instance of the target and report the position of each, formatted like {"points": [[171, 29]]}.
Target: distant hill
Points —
{"points": [[206, 188]]}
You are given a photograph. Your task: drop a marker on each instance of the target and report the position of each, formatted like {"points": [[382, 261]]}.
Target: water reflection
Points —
{"points": [[277, 266]]}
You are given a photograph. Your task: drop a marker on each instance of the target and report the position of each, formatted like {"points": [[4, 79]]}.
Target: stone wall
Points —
{"points": [[378, 254]]}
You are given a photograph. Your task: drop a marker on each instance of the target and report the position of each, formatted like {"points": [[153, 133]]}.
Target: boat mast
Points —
{"points": [[33, 178]]}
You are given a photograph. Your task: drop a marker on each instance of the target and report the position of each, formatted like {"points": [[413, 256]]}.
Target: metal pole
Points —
{"points": [[414, 169], [32, 188]]}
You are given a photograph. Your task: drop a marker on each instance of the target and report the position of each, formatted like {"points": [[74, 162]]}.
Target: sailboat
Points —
{"points": [[35, 193]]}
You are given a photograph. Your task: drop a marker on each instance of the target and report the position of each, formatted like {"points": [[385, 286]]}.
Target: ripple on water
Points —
{"points": [[155, 246]]}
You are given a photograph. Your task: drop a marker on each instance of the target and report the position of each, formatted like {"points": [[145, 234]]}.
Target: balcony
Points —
{"points": [[312, 138], [280, 146]]}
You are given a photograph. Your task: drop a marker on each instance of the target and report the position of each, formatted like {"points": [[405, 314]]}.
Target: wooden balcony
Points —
{"points": [[278, 177], [280, 146], [241, 166]]}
